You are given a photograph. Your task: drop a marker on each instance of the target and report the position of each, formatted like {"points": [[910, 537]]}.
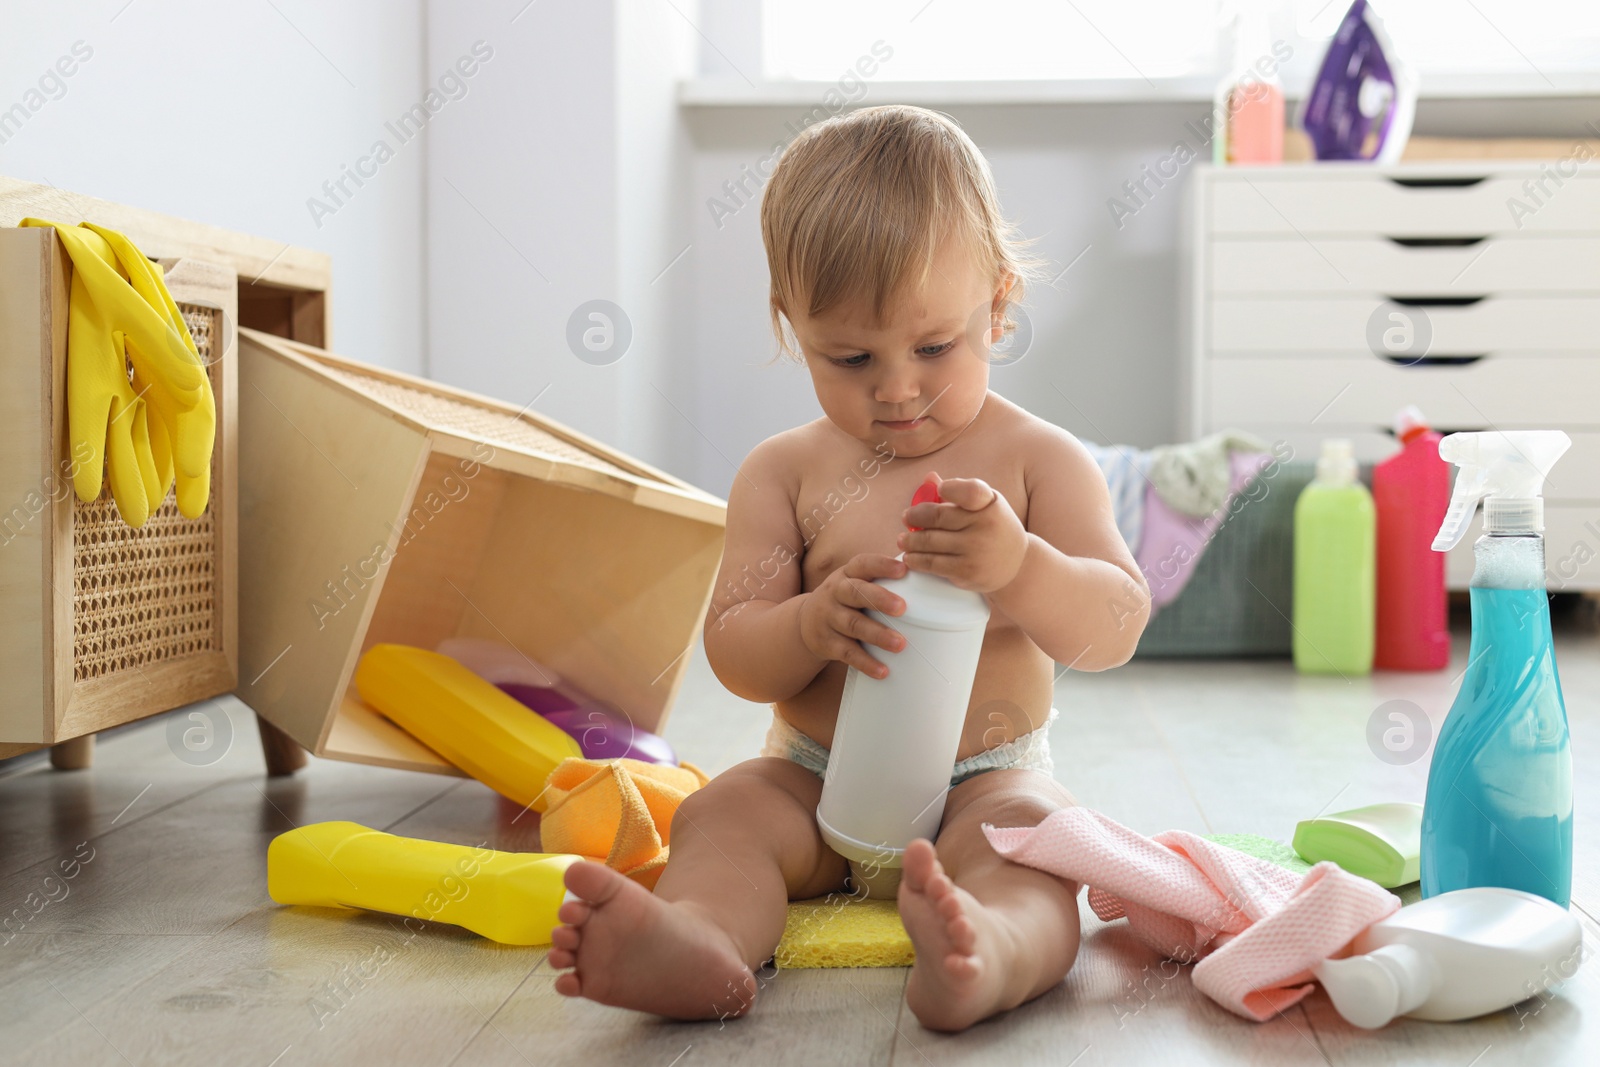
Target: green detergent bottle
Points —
{"points": [[1335, 572]]}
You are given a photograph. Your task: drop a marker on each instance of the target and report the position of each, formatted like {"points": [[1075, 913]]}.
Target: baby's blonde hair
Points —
{"points": [[859, 203]]}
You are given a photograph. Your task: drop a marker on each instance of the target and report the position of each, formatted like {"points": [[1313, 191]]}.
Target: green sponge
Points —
{"points": [[1262, 848], [1277, 852]]}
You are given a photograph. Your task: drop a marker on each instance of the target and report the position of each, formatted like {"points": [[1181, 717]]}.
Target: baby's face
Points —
{"points": [[917, 379]]}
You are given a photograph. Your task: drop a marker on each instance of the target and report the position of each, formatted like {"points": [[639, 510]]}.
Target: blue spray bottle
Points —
{"points": [[1498, 810]]}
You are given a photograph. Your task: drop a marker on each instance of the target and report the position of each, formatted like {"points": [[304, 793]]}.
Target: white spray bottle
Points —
{"points": [[896, 739]]}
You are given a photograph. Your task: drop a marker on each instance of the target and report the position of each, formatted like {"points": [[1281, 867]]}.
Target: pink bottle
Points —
{"points": [[1248, 107], [1411, 490], [1255, 125]]}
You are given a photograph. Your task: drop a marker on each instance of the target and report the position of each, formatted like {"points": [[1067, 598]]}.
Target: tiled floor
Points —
{"points": [[163, 948]]}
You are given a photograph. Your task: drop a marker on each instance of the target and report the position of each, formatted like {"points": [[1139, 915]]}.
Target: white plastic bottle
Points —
{"points": [[1454, 956], [896, 739]]}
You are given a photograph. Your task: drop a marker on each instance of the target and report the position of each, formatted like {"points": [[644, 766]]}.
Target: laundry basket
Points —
{"points": [[1240, 596]]}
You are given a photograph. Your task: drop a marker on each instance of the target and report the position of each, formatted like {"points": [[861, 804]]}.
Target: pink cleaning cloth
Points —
{"points": [[1256, 928]]}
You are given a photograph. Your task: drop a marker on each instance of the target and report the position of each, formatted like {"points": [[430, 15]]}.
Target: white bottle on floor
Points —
{"points": [[1458, 955]]}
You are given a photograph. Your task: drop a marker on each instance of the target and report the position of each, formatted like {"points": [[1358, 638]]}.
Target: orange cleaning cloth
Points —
{"points": [[617, 812]]}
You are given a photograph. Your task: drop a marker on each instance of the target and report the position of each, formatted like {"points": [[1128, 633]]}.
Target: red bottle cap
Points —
{"points": [[1409, 423], [927, 493]]}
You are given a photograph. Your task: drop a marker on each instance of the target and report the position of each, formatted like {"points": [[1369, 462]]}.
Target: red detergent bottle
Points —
{"points": [[1411, 491]]}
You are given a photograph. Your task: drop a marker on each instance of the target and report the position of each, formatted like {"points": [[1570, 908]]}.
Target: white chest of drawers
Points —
{"points": [[1321, 298]]}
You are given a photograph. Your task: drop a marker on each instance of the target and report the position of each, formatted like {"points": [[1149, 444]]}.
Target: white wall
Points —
{"points": [[564, 171], [551, 185], [1104, 359], [235, 114], [1104, 336], [657, 262]]}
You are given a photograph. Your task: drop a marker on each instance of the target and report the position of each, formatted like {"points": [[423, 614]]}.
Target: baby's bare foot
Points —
{"points": [[958, 978], [631, 949]]}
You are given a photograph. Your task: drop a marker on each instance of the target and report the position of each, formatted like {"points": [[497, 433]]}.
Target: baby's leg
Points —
{"points": [[742, 847], [989, 934]]}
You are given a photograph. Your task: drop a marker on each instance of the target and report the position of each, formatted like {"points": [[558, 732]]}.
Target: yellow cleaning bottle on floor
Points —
{"points": [[475, 725], [509, 897]]}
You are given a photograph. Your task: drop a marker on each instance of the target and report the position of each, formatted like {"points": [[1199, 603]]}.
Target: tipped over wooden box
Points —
{"points": [[379, 507], [103, 623]]}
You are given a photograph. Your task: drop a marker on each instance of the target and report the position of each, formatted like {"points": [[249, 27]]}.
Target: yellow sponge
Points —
{"points": [[842, 931]]}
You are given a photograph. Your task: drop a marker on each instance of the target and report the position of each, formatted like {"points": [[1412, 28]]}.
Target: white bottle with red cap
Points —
{"points": [[895, 743]]}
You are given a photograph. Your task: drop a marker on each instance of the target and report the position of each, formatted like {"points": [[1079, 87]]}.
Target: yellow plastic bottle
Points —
{"points": [[472, 723], [509, 897]]}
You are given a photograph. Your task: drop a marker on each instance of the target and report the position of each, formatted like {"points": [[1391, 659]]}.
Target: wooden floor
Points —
{"points": [[163, 948]]}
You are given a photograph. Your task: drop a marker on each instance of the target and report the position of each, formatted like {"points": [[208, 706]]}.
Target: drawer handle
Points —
{"points": [[1438, 242], [1442, 431], [1438, 183], [1451, 360], [1436, 301]]}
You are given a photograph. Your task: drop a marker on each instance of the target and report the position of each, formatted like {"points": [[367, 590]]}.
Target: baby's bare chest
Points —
{"points": [[859, 508]]}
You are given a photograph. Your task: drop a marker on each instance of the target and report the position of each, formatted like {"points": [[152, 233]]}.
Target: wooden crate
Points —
{"points": [[102, 623], [381, 507]]}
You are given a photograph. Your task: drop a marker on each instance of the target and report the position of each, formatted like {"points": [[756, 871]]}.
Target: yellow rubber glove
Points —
{"points": [[156, 425], [107, 422], [180, 386]]}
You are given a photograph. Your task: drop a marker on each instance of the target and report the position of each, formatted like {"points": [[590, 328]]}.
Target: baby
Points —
{"points": [[894, 271]]}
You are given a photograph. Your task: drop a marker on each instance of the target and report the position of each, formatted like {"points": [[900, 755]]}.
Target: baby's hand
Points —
{"points": [[831, 620], [972, 537]]}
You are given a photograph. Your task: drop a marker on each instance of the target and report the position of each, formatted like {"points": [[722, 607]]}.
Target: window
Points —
{"points": [[964, 40]]}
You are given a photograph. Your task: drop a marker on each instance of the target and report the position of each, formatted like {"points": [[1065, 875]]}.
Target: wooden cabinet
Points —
{"points": [[104, 624]]}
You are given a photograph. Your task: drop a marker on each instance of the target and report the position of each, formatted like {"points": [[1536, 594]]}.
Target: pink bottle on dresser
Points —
{"points": [[1248, 108], [1411, 490]]}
